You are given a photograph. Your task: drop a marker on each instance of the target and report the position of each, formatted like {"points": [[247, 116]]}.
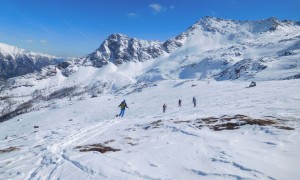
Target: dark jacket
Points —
{"points": [[123, 105]]}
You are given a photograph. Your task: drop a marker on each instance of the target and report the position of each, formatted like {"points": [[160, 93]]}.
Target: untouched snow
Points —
{"points": [[168, 151]]}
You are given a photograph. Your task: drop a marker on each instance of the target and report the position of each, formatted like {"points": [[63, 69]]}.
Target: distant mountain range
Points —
{"points": [[211, 48], [15, 61], [119, 48]]}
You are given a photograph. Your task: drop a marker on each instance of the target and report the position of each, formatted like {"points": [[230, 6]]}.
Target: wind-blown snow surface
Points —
{"points": [[170, 151]]}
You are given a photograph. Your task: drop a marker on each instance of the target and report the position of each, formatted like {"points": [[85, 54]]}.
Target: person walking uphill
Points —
{"points": [[164, 108], [123, 105], [194, 101], [179, 103]]}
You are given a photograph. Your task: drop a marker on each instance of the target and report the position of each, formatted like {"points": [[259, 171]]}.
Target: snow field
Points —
{"points": [[152, 145]]}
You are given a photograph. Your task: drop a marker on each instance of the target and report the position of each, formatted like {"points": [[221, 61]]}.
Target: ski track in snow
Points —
{"points": [[55, 155], [82, 137]]}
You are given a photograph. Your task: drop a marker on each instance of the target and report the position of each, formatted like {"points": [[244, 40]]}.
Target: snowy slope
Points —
{"points": [[152, 145]]}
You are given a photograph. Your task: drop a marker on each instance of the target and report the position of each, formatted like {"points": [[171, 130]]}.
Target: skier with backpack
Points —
{"points": [[123, 106], [179, 103]]}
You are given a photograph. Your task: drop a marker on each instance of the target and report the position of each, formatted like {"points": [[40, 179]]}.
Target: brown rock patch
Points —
{"points": [[10, 149], [96, 147]]}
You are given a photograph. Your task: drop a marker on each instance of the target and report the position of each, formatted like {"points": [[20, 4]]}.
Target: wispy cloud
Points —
{"points": [[43, 41], [156, 7], [132, 14], [29, 41], [73, 28]]}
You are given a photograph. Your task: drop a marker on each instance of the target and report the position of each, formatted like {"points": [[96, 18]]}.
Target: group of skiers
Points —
{"points": [[123, 106], [179, 104]]}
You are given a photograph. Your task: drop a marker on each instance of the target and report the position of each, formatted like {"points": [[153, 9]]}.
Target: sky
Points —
{"points": [[75, 28]]}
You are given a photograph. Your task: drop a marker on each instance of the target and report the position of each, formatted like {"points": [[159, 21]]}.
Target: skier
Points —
{"points": [[123, 105], [179, 103], [253, 83], [164, 108], [194, 101]]}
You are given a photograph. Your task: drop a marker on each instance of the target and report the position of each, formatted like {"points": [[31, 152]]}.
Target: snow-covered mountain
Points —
{"points": [[15, 61], [212, 48], [119, 48], [226, 49]]}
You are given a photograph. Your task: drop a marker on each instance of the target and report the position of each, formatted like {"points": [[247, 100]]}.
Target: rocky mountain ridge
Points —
{"points": [[119, 48], [15, 61], [211, 48]]}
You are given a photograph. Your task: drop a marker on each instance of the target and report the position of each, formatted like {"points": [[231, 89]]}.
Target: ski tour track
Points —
{"points": [[51, 158], [49, 155]]}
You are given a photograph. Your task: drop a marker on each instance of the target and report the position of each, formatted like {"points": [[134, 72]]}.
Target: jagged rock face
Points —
{"points": [[172, 44], [10, 67], [246, 68], [118, 48], [21, 65], [225, 26], [15, 62]]}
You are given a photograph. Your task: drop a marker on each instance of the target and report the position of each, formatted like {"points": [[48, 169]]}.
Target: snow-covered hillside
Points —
{"points": [[233, 133], [15, 61]]}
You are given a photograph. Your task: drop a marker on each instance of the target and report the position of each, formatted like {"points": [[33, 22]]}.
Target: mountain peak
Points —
{"points": [[117, 36], [8, 50], [210, 18], [227, 26], [119, 48]]}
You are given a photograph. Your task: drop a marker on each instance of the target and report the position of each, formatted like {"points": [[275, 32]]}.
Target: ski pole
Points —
{"points": [[117, 114]]}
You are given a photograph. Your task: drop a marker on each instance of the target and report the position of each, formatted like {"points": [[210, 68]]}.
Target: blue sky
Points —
{"points": [[77, 27]]}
